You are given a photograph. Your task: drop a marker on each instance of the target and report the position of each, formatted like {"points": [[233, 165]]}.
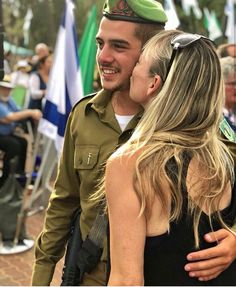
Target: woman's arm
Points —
{"points": [[127, 228], [21, 115]]}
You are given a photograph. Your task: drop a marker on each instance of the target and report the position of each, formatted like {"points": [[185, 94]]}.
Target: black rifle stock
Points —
{"points": [[71, 273], [83, 256]]}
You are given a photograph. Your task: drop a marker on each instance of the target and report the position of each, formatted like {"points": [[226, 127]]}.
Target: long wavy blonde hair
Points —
{"points": [[183, 117]]}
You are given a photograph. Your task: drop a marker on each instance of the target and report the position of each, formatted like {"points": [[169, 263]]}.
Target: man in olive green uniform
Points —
{"points": [[96, 127]]}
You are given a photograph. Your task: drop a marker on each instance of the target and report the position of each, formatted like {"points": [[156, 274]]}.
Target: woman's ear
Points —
{"points": [[154, 85]]}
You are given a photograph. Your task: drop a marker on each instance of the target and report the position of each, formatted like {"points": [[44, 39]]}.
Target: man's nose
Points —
{"points": [[105, 55]]}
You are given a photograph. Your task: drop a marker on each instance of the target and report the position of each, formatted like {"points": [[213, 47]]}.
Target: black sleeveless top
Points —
{"points": [[165, 255], [37, 103]]}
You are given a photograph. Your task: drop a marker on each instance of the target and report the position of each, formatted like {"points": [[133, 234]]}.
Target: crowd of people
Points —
{"points": [[150, 153], [32, 74], [31, 78]]}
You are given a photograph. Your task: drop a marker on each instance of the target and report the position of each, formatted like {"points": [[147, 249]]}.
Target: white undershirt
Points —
{"points": [[123, 121]]}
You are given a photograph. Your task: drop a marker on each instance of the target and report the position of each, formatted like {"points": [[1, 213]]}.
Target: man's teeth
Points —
{"points": [[108, 72]]}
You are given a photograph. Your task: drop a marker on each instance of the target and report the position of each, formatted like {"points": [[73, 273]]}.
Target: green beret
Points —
{"points": [[138, 11]]}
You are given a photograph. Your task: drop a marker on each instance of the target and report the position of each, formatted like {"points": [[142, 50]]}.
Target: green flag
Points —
{"points": [[87, 51], [211, 23]]}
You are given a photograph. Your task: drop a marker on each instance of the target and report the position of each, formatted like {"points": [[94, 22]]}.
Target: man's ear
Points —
{"points": [[154, 85]]}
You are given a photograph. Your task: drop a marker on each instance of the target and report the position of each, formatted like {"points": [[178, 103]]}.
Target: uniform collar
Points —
{"points": [[99, 102]]}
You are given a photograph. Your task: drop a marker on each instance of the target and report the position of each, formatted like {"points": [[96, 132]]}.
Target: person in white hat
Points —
{"points": [[11, 144], [20, 77]]}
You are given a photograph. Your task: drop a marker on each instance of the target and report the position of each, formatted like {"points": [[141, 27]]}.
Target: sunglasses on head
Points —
{"points": [[181, 41]]}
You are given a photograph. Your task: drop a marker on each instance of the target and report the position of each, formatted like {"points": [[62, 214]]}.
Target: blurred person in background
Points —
{"points": [[38, 82], [6, 62], [228, 65], [41, 50], [11, 144], [20, 77], [226, 50]]}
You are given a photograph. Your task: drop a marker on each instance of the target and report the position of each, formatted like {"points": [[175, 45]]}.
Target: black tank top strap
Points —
{"points": [[229, 213]]}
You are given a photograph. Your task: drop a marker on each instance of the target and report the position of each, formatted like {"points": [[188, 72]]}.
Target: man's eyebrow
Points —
{"points": [[120, 41], [115, 41]]}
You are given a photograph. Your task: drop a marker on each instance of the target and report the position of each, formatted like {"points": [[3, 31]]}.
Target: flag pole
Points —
{"points": [[36, 192]]}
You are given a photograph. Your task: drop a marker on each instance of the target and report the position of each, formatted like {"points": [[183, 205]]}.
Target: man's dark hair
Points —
{"points": [[144, 32]]}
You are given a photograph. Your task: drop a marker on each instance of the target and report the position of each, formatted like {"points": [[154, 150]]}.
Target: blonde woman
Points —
{"points": [[173, 180]]}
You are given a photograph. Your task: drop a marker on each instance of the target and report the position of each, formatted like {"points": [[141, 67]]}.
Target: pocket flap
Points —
{"points": [[86, 156]]}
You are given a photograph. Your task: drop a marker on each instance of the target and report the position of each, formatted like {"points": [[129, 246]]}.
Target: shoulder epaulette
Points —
{"points": [[227, 131], [89, 96]]}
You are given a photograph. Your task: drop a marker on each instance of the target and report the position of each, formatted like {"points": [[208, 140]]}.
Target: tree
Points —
{"points": [[46, 19], [47, 15]]}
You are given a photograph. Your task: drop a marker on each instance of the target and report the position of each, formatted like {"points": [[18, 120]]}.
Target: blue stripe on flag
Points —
{"points": [[68, 103], [52, 115], [63, 19], [58, 119], [75, 45]]}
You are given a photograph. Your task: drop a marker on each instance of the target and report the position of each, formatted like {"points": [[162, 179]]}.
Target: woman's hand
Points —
{"points": [[209, 263]]}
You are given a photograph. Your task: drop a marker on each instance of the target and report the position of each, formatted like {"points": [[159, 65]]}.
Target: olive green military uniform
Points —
{"points": [[92, 135]]}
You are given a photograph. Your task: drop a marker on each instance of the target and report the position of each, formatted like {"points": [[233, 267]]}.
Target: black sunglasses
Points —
{"points": [[180, 42]]}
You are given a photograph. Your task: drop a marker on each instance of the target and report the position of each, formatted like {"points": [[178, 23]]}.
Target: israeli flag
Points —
{"points": [[65, 82]]}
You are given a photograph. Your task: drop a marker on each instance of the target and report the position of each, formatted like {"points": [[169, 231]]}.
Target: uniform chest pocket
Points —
{"points": [[86, 157]]}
